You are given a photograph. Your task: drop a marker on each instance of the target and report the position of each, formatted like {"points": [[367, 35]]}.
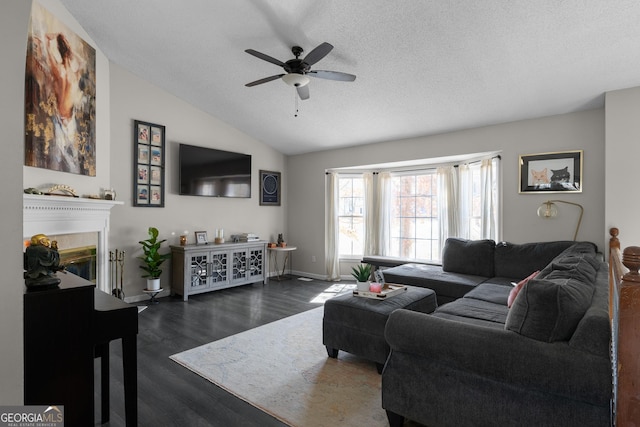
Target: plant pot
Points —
{"points": [[363, 286], [153, 284]]}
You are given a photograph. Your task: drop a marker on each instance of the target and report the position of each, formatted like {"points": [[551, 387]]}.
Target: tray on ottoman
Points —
{"points": [[388, 290]]}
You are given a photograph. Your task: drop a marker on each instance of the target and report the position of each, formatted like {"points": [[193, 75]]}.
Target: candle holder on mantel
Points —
{"points": [[219, 236]]}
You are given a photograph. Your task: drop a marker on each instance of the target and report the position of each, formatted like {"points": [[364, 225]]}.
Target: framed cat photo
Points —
{"points": [[559, 172]]}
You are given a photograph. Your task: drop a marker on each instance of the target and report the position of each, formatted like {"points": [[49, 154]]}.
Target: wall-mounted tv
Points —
{"points": [[214, 173]]}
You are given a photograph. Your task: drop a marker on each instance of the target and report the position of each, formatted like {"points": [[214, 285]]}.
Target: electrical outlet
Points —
{"points": [[313, 258]]}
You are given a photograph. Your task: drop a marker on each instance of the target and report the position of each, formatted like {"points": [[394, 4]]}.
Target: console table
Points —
{"points": [[209, 267]]}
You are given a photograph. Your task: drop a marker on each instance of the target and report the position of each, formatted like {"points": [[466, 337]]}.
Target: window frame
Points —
{"points": [[396, 243], [351, 176]]}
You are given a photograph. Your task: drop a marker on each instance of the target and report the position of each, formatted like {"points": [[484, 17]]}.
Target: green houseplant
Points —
{"points": [[362, 273], [152, 259]]}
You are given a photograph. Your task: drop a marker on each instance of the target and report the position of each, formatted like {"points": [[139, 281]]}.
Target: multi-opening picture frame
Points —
{"points": [[269, 188], [148, 164], [558, 172]]}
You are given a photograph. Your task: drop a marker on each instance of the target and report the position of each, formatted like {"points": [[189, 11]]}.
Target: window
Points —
{"points": [[415, 211], [414, 227], [351, 216]]}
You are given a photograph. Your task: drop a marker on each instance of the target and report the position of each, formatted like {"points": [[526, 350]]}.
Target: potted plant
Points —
{"points": [[362, 273], [152, 259]]}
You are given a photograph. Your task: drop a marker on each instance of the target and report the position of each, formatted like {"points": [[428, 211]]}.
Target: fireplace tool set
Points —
{"points": [[116, 263]]}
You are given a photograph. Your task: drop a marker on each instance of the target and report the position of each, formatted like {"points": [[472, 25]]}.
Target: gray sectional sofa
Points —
{"points": [[475, 362], [468, 263]]}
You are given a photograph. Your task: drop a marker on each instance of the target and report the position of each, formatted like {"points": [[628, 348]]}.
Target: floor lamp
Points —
{"points": [[549, 210]]}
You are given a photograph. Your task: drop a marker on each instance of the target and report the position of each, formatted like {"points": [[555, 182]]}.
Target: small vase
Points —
{"points": [[153, 284], [362, 286]]}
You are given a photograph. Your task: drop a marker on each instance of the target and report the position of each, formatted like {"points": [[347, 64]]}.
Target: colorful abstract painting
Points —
{"points": [[60, 95]]}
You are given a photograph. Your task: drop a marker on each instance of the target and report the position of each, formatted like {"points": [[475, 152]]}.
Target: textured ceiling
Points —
{"points": [[423, 67]]}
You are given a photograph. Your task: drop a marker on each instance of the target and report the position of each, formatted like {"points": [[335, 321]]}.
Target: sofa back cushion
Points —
{"points": [[464, 256], [594, 330], [569, 256], [517, 261], [549, 307]]}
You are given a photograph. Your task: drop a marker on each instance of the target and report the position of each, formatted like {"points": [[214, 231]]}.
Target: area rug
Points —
{"points": [[282, 368]]}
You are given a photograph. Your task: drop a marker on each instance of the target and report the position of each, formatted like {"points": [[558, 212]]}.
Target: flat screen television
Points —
{"points": [[214, 173]]}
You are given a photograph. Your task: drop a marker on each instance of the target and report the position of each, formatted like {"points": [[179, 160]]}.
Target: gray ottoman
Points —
{"points": [[356, 325]]}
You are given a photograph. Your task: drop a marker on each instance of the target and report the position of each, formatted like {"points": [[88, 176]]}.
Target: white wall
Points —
{"points": [[622, 154], [583, 130], [132, 98], [14, 21]]}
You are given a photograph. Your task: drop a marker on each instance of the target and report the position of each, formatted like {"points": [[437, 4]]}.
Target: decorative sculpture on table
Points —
{"points": [[41, 262]]}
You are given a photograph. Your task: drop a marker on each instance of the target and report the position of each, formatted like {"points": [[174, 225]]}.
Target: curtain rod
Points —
{"points": [[425, 167]]}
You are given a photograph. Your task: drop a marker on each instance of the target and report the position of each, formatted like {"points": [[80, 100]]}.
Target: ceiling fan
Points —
{"points": [[298, 69]]}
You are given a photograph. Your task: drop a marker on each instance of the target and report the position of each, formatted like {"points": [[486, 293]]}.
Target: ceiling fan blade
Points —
{"points": [[318, 53], [332, 75], [303, 92], [265, 80], [265, 57]]}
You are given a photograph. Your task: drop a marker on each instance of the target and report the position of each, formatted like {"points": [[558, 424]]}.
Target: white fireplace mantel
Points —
{"points": [[54, 215]]}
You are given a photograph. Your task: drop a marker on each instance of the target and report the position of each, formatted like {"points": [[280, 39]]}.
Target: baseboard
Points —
{"points": [[345, 277], [309, 275]]}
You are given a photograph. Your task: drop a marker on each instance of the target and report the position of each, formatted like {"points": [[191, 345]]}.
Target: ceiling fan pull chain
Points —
{"points": [[295, 97]]}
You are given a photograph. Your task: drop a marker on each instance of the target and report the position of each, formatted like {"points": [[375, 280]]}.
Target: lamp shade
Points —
{"points": [[547, 210], [295, 79]]}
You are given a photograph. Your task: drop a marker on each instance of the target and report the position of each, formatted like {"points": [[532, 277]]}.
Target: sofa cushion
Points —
{"points": [[519, 260], [464, 256], [471, 308], [470, 320], [491, 292], [550, 309], [447, 286], [594, 330], [568, 257], [580, 268]]}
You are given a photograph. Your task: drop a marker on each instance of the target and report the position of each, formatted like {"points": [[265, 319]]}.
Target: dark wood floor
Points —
{"points": [[171, 395]]}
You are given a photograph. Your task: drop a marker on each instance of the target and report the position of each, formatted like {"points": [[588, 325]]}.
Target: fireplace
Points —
{"points": [[72, 222], [80, 260]]}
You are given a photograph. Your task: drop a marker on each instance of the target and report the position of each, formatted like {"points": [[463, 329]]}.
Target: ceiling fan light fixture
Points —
{"points": [[295, 79]]}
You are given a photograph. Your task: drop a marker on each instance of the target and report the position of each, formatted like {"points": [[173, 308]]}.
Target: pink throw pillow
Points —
{"points": [[518, 287]]}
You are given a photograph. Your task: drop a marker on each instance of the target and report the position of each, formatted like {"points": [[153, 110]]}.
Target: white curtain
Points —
{"points": [[370, 216], [383, 214], [455, 189], [464, 201], [448, 211], [332, 262], [489, 175]]}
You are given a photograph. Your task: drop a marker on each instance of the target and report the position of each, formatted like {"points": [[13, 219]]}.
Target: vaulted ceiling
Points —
{"points": [[423, 66]]}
